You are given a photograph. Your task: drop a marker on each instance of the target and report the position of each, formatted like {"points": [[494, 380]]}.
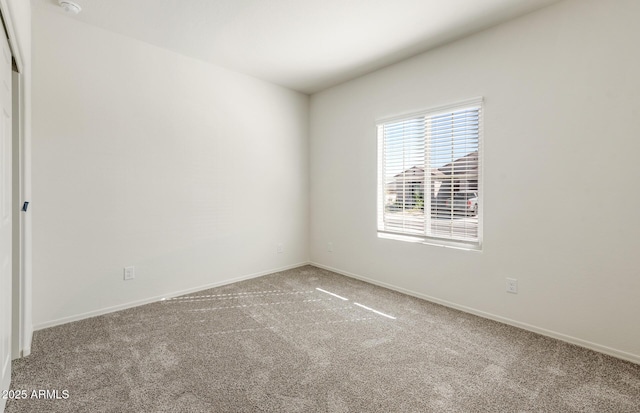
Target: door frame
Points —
{"points": [[22, 326]]}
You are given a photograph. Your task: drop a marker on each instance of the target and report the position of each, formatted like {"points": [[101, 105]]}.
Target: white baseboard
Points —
{"points": [[634, 358], [148, 300]]}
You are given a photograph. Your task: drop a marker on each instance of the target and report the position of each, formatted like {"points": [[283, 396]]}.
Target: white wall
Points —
{"points": [[562, 120], [20, 14], [185, 170]]}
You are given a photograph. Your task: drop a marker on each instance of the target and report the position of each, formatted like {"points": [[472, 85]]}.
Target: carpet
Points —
{"points": [[309, 340]]}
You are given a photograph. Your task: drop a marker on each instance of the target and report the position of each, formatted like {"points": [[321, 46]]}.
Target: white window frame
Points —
{"points": [[427, 239]]}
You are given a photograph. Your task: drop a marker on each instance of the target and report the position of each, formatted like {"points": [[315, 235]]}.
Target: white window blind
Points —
{"points": [[429, 175]]}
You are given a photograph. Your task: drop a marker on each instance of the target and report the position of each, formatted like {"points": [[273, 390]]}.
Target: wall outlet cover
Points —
{"points": [[129, 273]]}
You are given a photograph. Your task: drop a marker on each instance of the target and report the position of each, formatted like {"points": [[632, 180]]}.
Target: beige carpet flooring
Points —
{"points": [[284, 343]]}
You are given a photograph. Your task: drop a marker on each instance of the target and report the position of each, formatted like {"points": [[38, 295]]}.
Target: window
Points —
{"points": [[429, 176]]}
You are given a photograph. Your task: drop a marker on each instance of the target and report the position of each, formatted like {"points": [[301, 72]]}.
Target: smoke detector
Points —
{"points": [[70, 7]]}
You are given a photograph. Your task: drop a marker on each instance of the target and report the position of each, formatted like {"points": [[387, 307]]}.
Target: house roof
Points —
{"points": [[465, 165]]}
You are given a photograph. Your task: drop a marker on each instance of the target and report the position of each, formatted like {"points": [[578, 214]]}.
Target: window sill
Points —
{"points": [[431, 241]]}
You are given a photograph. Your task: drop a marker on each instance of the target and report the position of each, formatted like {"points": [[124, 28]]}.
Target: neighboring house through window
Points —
{"points": [[429, 176]]}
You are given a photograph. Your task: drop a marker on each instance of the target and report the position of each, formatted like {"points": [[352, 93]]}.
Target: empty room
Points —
{"points": [[319, 206]]}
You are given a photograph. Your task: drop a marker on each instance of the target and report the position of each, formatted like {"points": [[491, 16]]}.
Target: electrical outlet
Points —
{"points": [[329, 246], [512, 285], [129, 273], [280, 248]]}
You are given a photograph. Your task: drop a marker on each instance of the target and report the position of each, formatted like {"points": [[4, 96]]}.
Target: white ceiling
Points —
{"points": [[305, 45]]}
